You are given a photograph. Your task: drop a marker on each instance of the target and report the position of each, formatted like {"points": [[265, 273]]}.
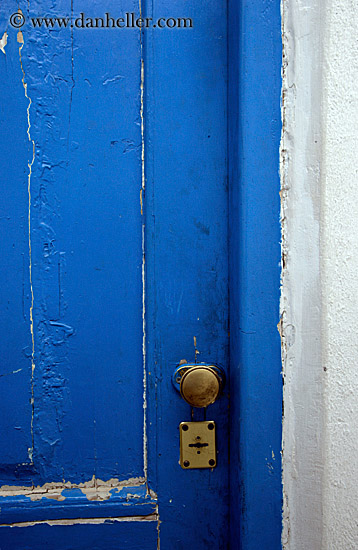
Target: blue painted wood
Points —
{"points": [[15, 342], [86, 257], [86, 241], [187, 250], [254, 135], [124, 501], [86, 260], [132, 535]]}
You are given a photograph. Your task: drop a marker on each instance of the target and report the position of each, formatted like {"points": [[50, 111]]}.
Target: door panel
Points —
{"points": [[112, 535], [115, 260], [187, 257], [86, 249]]}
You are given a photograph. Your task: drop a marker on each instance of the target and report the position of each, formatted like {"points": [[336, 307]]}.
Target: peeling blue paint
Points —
{"points": [[129, 193], [86, 249], [73, 503]]}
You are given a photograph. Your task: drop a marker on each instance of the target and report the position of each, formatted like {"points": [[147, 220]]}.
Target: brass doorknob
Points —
{"points": [[200, 386]]}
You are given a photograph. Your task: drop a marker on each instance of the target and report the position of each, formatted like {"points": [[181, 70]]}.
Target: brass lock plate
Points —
{"points": [[197, 445]]}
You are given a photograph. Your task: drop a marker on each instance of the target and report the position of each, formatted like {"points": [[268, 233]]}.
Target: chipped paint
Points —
{"points": [[81, 521], [20, 40], [94, 489], [98, 368], [142, 196], [3, 42], [158, 528], [141, 201], [197, 352], [11, 372]]}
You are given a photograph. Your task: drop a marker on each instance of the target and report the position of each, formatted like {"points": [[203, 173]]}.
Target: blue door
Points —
{"points": [[114, 265], [114, 249]]}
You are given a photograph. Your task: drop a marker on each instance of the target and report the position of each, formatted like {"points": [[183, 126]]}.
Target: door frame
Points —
{"points": [[254, 131]]}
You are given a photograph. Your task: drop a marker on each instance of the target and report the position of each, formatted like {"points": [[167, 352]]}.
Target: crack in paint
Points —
{"points": [[158, 527], [142, 198], [81, 521], [142, 194], [111, 80], [72, 78], [20, 40], [196, 350], [11, 372]]}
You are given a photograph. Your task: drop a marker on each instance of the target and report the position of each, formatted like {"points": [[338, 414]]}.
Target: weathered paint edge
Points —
{"points": [[300, 325], [81, 521], [94, 489]]}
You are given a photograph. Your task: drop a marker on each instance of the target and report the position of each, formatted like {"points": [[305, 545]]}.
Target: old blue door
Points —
{"points": [[114, 266], [119, 145]]}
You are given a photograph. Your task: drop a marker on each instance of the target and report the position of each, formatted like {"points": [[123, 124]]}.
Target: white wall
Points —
{"points": [[340, 275], [319, 165]]}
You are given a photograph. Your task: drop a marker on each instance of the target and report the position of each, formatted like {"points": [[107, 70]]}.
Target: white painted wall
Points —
{"points": [[319, 168]]}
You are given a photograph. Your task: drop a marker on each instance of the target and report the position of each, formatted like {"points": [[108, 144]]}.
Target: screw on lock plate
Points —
{"points": [[197, 445]]}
